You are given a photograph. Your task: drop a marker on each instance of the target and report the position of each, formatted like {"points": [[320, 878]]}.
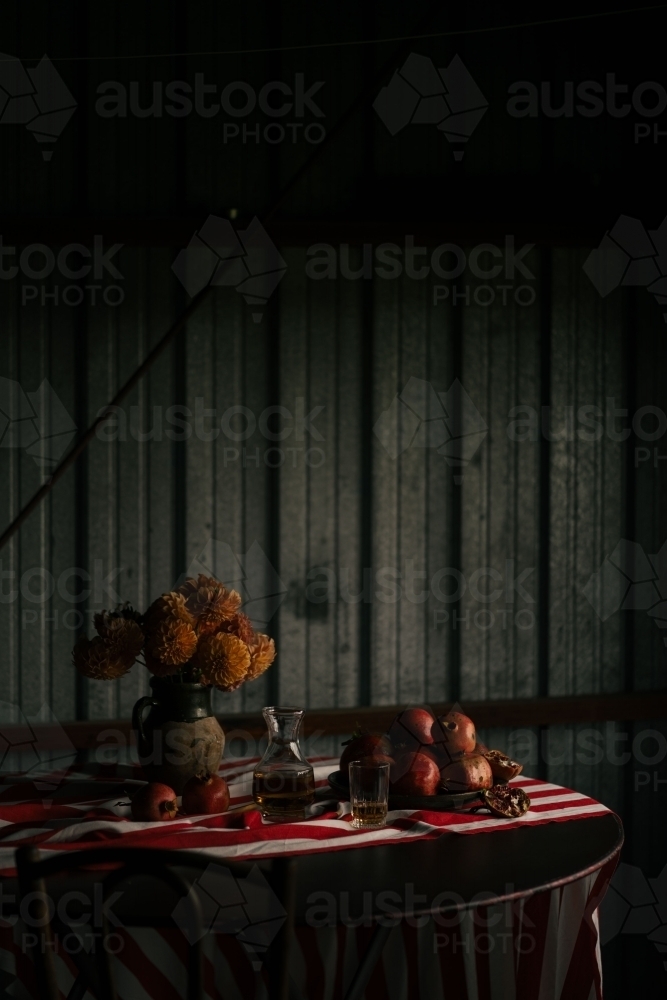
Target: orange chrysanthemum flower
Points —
{"points": [[240, 626], [223, 660], [94, 658], [170, 605], [211, 606], [172, 643], [192, 584], [158, 668], [262, 654], [196, 631], [123, 636]]}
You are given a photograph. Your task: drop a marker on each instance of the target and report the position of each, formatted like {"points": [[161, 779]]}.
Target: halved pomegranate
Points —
{"points": [[506, 801], [503, 767]]}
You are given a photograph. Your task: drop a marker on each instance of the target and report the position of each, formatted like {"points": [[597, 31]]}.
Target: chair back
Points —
{"points": [[98, 974]]}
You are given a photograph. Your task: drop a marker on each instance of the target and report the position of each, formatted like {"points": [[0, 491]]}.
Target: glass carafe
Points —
{"points": [[283, 784]]}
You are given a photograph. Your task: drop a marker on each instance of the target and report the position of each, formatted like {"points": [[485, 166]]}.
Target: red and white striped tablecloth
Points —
{"points": [[69, 821], [544, 948]]}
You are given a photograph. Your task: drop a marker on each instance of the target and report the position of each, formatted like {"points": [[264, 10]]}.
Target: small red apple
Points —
{"points": [[469, 773], [412, 728], [154, 803], [415, 773], [205, 793], [455, 734]]}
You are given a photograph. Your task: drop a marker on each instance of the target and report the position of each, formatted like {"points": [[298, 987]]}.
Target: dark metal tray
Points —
{"points": [[435, 803]]}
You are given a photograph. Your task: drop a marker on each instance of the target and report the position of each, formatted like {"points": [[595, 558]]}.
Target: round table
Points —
{"points": [[451, 874], [532, 859], [454, 873]]}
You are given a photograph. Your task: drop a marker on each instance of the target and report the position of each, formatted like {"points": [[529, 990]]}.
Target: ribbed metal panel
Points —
{"points": [[329, 501]]}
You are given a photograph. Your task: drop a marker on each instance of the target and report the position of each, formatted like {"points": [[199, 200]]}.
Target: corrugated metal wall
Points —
{"points": [[331, 496]]}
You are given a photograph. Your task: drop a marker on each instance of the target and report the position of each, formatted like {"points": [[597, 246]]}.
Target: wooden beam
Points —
{"points": [[510, 713], [515, 713]]}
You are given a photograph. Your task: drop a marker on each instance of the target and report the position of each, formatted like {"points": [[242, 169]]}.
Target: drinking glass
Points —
{"points": [[369, 791], [283, 783]]}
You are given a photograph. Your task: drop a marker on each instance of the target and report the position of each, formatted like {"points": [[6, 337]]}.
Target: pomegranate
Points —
{"points": [[364, 744], [503, 800], [378, 758], [468, 773], [455, 734], [205, 793], [154, 803], [502, 766], [414, 773], [412, 728]]}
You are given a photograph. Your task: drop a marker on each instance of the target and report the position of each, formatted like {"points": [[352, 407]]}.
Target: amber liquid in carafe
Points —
{"points": [[282, 793]]}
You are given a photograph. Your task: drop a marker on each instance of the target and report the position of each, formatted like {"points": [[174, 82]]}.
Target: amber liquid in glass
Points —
{"points": [[283, 794], [368, 814]]}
